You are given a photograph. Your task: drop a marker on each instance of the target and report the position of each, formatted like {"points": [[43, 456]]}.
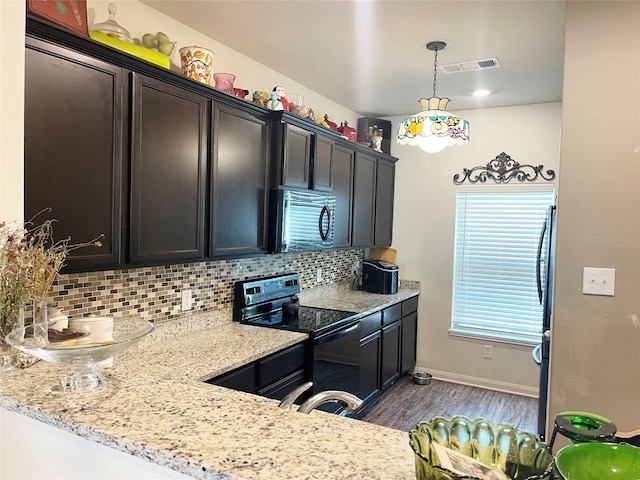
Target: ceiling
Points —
{"points": [[370, 56]]}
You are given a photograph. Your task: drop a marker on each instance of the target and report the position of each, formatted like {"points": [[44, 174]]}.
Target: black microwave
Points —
{"points": [[300, 220]]}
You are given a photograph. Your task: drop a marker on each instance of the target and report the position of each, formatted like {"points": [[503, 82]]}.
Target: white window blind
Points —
{"points": [[496, 244]]}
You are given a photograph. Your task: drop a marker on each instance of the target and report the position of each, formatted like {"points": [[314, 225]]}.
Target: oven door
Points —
{"points": [[336, 363]]}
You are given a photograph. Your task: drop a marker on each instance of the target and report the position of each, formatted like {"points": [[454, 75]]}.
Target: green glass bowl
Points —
{"points": [[598, 461], [518, 454]]}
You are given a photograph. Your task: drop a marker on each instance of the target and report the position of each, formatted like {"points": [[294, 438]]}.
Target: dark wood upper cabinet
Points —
{"points": [[322, 172], [304, 156], [364, 200], [169, 132], [373, 200], [343, 158], [239, 190], [75, 128], [170, 170], [296, 156], [385, 178]]}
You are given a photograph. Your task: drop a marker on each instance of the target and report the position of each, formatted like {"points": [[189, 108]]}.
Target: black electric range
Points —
{"points": [[273, 302], [334, 335]]}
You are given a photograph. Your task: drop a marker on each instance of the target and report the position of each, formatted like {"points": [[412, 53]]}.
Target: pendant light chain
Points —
{"points": [[435, 70]]}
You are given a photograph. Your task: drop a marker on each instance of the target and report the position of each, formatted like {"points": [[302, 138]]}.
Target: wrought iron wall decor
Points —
{"points": [[503, 169]]}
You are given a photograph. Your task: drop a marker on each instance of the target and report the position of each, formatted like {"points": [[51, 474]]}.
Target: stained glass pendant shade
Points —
{"points": [[433, 128]]}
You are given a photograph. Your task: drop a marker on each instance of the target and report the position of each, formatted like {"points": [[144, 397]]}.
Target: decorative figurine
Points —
{"points": [[279, 91], [332, 125], [274, 102]]}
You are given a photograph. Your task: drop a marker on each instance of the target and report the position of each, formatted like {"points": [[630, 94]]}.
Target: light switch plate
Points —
{"points": [[598, 281]]}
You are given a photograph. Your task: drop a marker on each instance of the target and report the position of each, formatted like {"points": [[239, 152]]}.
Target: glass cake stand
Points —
{"points": [[76, 350]]}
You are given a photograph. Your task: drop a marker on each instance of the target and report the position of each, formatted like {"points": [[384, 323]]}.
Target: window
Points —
{"points": [[496, 245]]}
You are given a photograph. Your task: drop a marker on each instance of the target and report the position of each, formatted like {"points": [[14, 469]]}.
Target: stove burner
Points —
{"points": [[308, 319]]}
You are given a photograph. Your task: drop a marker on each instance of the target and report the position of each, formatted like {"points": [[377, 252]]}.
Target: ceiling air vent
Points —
{"points": [[470, 66]]}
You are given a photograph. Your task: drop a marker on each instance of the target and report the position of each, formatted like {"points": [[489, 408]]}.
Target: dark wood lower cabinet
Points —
{"points": [[273, 376], [370, 348], [409, 338], [387, 349], [390, 367]]}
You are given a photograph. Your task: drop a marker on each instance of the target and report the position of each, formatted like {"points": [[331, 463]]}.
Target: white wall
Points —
{"points": [[11, 109], [139, 19], [424, 215], [595, 355]]}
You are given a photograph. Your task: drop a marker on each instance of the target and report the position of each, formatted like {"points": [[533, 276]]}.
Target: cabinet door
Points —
{"points": [[74, 126], [322, 173], [370, 348], [168, 175], [342, 189], [296, 157], [363, 200], [390, 368], [385, 176], [409, 331], [239, 193], [242, 379]]}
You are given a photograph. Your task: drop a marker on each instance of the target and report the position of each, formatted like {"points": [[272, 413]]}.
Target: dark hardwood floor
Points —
{"points": [[407, 403]]}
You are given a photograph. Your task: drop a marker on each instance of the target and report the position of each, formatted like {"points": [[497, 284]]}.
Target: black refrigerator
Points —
{"points": [[544, 279]]}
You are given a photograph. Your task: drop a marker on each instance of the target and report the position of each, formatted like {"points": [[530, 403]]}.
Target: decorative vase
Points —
{"points": [[41, 321], [197, 64], [224, 82], [8, 325], [377, 143]]}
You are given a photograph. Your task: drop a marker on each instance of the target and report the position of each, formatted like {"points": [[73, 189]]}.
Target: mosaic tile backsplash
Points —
{"points": [[154, 293]]}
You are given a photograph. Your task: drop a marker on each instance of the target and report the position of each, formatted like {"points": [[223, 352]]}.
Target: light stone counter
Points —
{"points": [[156, 407]]}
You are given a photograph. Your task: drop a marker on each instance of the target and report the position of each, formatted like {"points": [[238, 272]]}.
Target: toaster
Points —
{"points": [[379, 276]]}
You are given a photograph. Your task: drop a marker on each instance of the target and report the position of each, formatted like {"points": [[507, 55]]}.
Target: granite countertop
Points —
{"points": [[155, 405]]}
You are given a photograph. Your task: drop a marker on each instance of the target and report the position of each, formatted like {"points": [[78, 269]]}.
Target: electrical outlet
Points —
{"points": [[319, 275], [186, 299], [488, 352]]}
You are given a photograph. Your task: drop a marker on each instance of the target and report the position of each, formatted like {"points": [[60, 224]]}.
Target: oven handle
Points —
{"points": [[336, 335]]}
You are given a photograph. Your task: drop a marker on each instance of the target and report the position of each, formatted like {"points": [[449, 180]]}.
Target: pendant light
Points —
{"points": [[433, 128]]}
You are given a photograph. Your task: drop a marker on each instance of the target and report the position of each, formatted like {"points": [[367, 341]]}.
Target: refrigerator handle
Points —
{"points": [[539, 259], [536, 353]]}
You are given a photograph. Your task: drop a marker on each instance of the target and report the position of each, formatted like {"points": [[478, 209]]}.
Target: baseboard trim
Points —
{"points": [[496, 385]]}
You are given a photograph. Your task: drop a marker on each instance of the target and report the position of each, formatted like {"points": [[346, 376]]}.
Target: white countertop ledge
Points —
{"points": [[155, 405]]}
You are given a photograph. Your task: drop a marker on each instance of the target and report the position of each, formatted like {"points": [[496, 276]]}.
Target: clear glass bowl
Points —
{"points": [[81, 355], [518, 454], [601, 461]]}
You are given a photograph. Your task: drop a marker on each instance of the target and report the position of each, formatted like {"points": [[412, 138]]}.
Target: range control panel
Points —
{"points": [[251, 294]]}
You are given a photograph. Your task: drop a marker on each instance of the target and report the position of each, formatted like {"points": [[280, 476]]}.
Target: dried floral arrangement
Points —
{"points": [[30, 261]]}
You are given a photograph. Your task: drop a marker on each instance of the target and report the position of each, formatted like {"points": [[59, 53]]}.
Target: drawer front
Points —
{"points": [[391, 314], [370, 324], [410, 305], [280, 364], [282, 387]]}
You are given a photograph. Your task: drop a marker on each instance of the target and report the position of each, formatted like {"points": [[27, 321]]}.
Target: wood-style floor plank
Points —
{"points": [[407, 403]]}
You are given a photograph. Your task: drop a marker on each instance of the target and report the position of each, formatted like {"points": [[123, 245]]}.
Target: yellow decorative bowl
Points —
{"points": [[519, 454]]}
